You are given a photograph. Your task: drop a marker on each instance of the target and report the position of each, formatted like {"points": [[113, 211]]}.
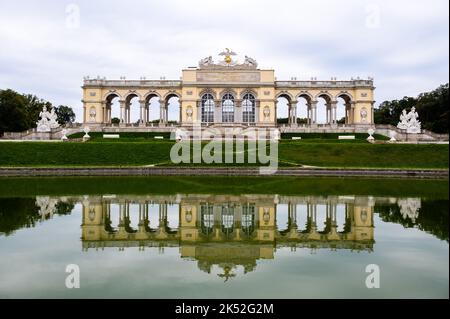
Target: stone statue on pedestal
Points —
{"points": [[47, 121], [206, 61], [250, 61], [409, 121], [403, 124], [414, 124], [53, 119]]}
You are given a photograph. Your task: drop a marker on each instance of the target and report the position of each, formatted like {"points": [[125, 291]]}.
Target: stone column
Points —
{"points": [[257, 109], [104, 112], [161, 112], [166, 113], [314, 217], [308, 113], [292, 212], [122, 111], [352, 113], [275, 111], [180, 117], [293, 112], [142, 113], [217, 111], [372, 120], [333, 107], [199, 111], [84, 112], [122, 212], [238, 118], [313, 112], [162, 214]]}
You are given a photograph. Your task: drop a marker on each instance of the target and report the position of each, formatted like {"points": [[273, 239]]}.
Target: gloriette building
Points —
{"points": [[229, 93]]}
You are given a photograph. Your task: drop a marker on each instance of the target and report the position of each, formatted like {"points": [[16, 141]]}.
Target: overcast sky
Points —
{"points": [[46, 50]]}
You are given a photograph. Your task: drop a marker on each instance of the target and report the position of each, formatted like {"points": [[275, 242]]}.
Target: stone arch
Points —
{"points": [[249, 91], [286, 95], [303, 108], [108, 100], [167, 97], [152, 110], [208, 91], [171, 94], [108, 95], [348, 98], [306, 95], [344, 110], [324, 95], [151, 94], [228, 91], [324, 110], [130, 95], [285, 116]]}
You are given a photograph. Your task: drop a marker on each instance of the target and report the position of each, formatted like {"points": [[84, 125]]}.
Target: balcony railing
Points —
{"points": [[132, 83], [325, 84]]}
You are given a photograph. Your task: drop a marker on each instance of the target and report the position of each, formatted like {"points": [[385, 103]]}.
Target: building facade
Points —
{"points": [[229, 231], [228, 93]]}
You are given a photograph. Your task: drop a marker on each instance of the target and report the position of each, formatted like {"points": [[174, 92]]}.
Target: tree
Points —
{"points": [[432, 108], [115, 120], [13, 116], [33, 107], [65, 114], [19, 112]]}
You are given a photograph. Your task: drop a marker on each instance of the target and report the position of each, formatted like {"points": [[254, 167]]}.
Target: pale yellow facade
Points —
{"points": [[223, 94], [227, 230]]}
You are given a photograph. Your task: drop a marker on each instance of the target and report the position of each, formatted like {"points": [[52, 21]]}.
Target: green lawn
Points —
{"points": [[366, 155], [323, 153]]}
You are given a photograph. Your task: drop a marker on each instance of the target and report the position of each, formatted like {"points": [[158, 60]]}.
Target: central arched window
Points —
{"points": [[227, 219], [228, 108], [207, 218], [248, 108], [207, 108]]}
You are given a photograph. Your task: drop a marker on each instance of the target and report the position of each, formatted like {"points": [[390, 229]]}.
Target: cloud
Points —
{"points": [[403, 44]]}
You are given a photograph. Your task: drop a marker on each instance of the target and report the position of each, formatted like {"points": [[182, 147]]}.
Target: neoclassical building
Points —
{"points": [[229, 231], [228, 93]]}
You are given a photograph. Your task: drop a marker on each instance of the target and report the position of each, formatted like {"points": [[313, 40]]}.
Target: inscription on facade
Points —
{"points": [[235, 76]]}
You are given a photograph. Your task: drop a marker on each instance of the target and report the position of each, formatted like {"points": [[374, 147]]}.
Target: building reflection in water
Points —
{"points": [[225, 230]]}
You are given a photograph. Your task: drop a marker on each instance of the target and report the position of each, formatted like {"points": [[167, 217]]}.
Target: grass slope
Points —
{"points": [[138, 149]]}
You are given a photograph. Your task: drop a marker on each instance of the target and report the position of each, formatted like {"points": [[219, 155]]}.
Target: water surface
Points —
{"points": [[302, 240]]}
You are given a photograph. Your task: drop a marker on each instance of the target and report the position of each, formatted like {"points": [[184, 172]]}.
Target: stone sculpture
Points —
{"points": [[47, 120], [410, 121]]}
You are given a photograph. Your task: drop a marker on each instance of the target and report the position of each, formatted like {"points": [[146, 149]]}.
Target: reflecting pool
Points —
{"points": [[146, 244]]}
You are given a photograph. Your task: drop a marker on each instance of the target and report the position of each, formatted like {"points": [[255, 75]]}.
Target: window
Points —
{"points": [[207, 218], [228, 108], [227, 219], [248, 218], [248, 108], [207, 108]]}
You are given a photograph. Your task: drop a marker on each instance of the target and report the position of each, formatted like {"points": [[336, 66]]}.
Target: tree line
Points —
{"points": [[432, 107], [20, 112]]}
